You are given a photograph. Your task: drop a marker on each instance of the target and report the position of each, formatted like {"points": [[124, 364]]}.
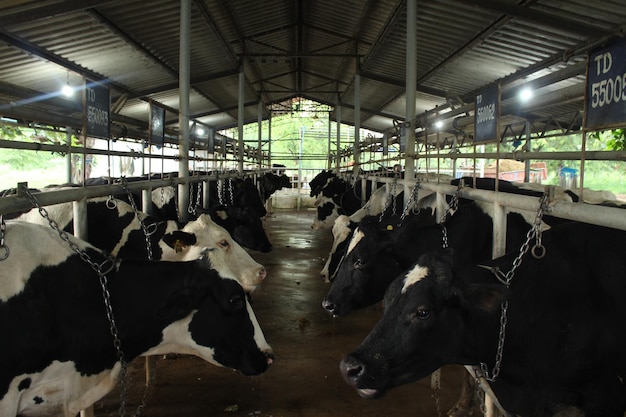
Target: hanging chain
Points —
{"points": [[4, 249], [101, 269], [220, 192], [146, 233], [452, 208], [390, 197], [190, 208], [414, 197], [198, 197], [230, 191], [538, 251]]}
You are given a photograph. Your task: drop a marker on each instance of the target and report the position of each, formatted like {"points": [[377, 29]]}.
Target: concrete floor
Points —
{"points": [[308, 344]]}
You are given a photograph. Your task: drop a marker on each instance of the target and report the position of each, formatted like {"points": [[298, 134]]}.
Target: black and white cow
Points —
{"points": [[237, 208], [334, 197], [375, 254], [58, 355], [344, 226], [113, 227], [270, 183], [564, 347]]}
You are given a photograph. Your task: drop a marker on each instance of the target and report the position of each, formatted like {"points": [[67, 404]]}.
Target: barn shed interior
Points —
{"points": [[121, 98]]}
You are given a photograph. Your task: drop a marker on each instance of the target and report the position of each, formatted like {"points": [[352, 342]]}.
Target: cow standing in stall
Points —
{"points": [[113, 226], [562, 352], [236, 206], [334, 197], [59, 356], [269, 184]]}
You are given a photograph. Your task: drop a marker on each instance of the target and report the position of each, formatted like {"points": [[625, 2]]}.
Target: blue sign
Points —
{"points": [[486, 115], [98, 104], [606, 86]]}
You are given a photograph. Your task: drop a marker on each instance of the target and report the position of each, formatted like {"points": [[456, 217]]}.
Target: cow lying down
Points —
{"points": [[113, 227], [564, 345], [58, 355]]}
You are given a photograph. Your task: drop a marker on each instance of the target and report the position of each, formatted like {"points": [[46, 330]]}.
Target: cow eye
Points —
{"points": [[422, 313], [223, 244], [359, 263]]}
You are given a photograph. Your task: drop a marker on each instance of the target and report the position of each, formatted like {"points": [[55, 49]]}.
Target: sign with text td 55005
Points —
{"points": [[606, 86], [98, 103], [486, 115]]}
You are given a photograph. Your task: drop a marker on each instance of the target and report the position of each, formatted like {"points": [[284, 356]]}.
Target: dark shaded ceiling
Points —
{"points": [[301, 48]]}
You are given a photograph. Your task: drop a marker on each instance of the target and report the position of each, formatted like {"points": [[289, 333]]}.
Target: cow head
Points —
{"points": [[245, 194], [320, 180], [422, 327], [244, 225], [366, 270], [342, 232], [327, 213], [203, 235], [222, 329]]}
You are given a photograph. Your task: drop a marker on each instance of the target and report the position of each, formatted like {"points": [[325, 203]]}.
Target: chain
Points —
{"points": [[230, 191], [390, 197], [146, 233], [534, 232], [220, 192], [452, 208], [101, 269], [198, 197], [413, 197], [190, 207], [3, 246]]}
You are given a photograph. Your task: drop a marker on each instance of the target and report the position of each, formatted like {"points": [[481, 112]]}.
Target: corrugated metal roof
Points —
{"points": [[292, 48]]}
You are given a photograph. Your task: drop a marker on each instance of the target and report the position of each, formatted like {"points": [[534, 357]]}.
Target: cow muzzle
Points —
{"points": [[353, 371]]}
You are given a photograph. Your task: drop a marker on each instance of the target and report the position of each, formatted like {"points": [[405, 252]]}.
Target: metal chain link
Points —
{"points": [[414, 196], [190, 208], [220, 192], [146, 233], [390, 197], [534, 232], [100, 269], [230, 191], [452, 207]]}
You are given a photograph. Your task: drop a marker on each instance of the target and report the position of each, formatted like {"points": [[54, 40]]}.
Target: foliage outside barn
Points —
{"points": [[303, 139]]}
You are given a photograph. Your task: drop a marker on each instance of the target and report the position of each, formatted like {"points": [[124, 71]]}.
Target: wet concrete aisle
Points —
{"points": [[308, 345]]}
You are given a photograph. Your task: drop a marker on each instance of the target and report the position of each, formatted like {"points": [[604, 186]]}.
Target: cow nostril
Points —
{"points": [[262, 273], [270, 358], [328, 305], [354, 371]]}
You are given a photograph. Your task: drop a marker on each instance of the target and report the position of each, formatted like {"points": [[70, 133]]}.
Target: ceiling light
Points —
{"points": [[438, 124], [67, 90], [525, 94]]}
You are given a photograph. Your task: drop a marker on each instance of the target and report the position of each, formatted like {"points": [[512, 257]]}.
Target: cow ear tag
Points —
{"points": [[390, 227], [179, 246]]}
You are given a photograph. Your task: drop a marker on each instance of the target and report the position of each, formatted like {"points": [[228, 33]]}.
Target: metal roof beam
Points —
{"points": [[537, 16], [104, 21], [42, 12]]}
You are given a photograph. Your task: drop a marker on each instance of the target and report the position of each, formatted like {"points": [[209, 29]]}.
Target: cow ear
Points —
{"points": [[179, 240], [219, 212], [485, 298]]}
